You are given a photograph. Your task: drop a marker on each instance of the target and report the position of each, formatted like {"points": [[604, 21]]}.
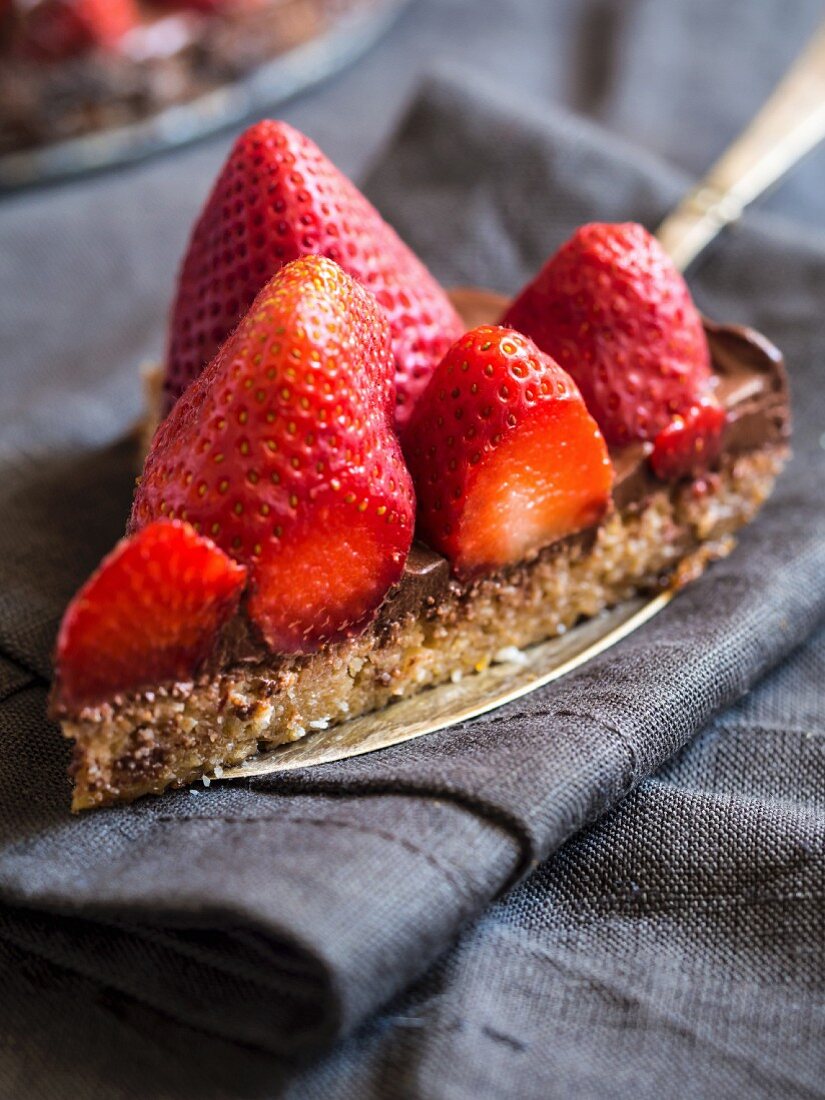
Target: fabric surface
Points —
{"points": [[202, 942]]}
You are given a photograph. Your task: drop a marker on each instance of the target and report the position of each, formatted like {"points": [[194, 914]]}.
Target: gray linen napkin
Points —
{"points": [[281, 912]]}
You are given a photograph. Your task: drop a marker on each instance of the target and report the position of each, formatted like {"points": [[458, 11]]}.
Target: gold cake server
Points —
{"points": [[790, 124]]}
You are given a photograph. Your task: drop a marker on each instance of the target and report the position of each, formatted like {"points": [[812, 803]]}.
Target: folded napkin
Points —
{"points": [[280, 912]]}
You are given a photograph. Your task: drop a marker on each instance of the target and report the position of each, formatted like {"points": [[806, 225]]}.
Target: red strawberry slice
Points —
{"points": [[612, 309], [278, 198], [504, 455], [149, 614], [54, 30], [690, 444], [283, 452]]}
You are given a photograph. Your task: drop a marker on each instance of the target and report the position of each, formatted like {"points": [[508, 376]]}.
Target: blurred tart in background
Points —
{"points": [[71, 68]]}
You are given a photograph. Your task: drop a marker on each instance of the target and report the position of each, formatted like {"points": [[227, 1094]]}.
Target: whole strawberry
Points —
{"points": [[279, 198], [614, 311], [283, 452], [149, 613], [54, 30], [505, 457]]}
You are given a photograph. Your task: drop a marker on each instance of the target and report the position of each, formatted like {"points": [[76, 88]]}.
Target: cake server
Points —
{"points": [[789, 125]]}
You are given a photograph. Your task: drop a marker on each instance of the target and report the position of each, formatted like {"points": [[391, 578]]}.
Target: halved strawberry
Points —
{"points": [[54, 30], [283, 452], [279, 198], [612, 309], [690, 444], [149, 614], [504, 455]]}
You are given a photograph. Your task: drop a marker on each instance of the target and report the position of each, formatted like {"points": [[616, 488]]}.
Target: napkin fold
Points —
{"points": [[282, 911]]}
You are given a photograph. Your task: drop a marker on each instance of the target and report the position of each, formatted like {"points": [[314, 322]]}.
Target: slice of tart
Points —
{"points": [[598, 441]]}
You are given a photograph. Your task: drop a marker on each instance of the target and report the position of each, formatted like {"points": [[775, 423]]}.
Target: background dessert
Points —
{"points": [[70, 69]]}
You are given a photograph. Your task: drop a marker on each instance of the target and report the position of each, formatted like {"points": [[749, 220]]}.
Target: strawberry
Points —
{"points": [[283, 452], [278, 198], [54, 30], [690, 444], [149, 614], [614, 311], [504, 454]]}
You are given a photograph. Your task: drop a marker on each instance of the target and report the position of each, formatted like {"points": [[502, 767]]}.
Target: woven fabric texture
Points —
{"points": [[613, 885]]}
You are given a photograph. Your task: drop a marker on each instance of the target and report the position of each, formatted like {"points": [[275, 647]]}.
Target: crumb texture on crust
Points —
{"points": [[173, 736]]}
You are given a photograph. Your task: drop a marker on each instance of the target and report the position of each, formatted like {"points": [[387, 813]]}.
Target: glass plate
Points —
{"points": [[226, 106]]}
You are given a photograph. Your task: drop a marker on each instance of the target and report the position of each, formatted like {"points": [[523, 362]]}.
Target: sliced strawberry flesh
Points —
{"points": [[149, 615], [325, 582], [549, 480]]}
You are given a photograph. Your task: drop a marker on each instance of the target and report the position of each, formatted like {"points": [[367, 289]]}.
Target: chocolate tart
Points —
{"points": [[432, 628], [171, 57]]}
